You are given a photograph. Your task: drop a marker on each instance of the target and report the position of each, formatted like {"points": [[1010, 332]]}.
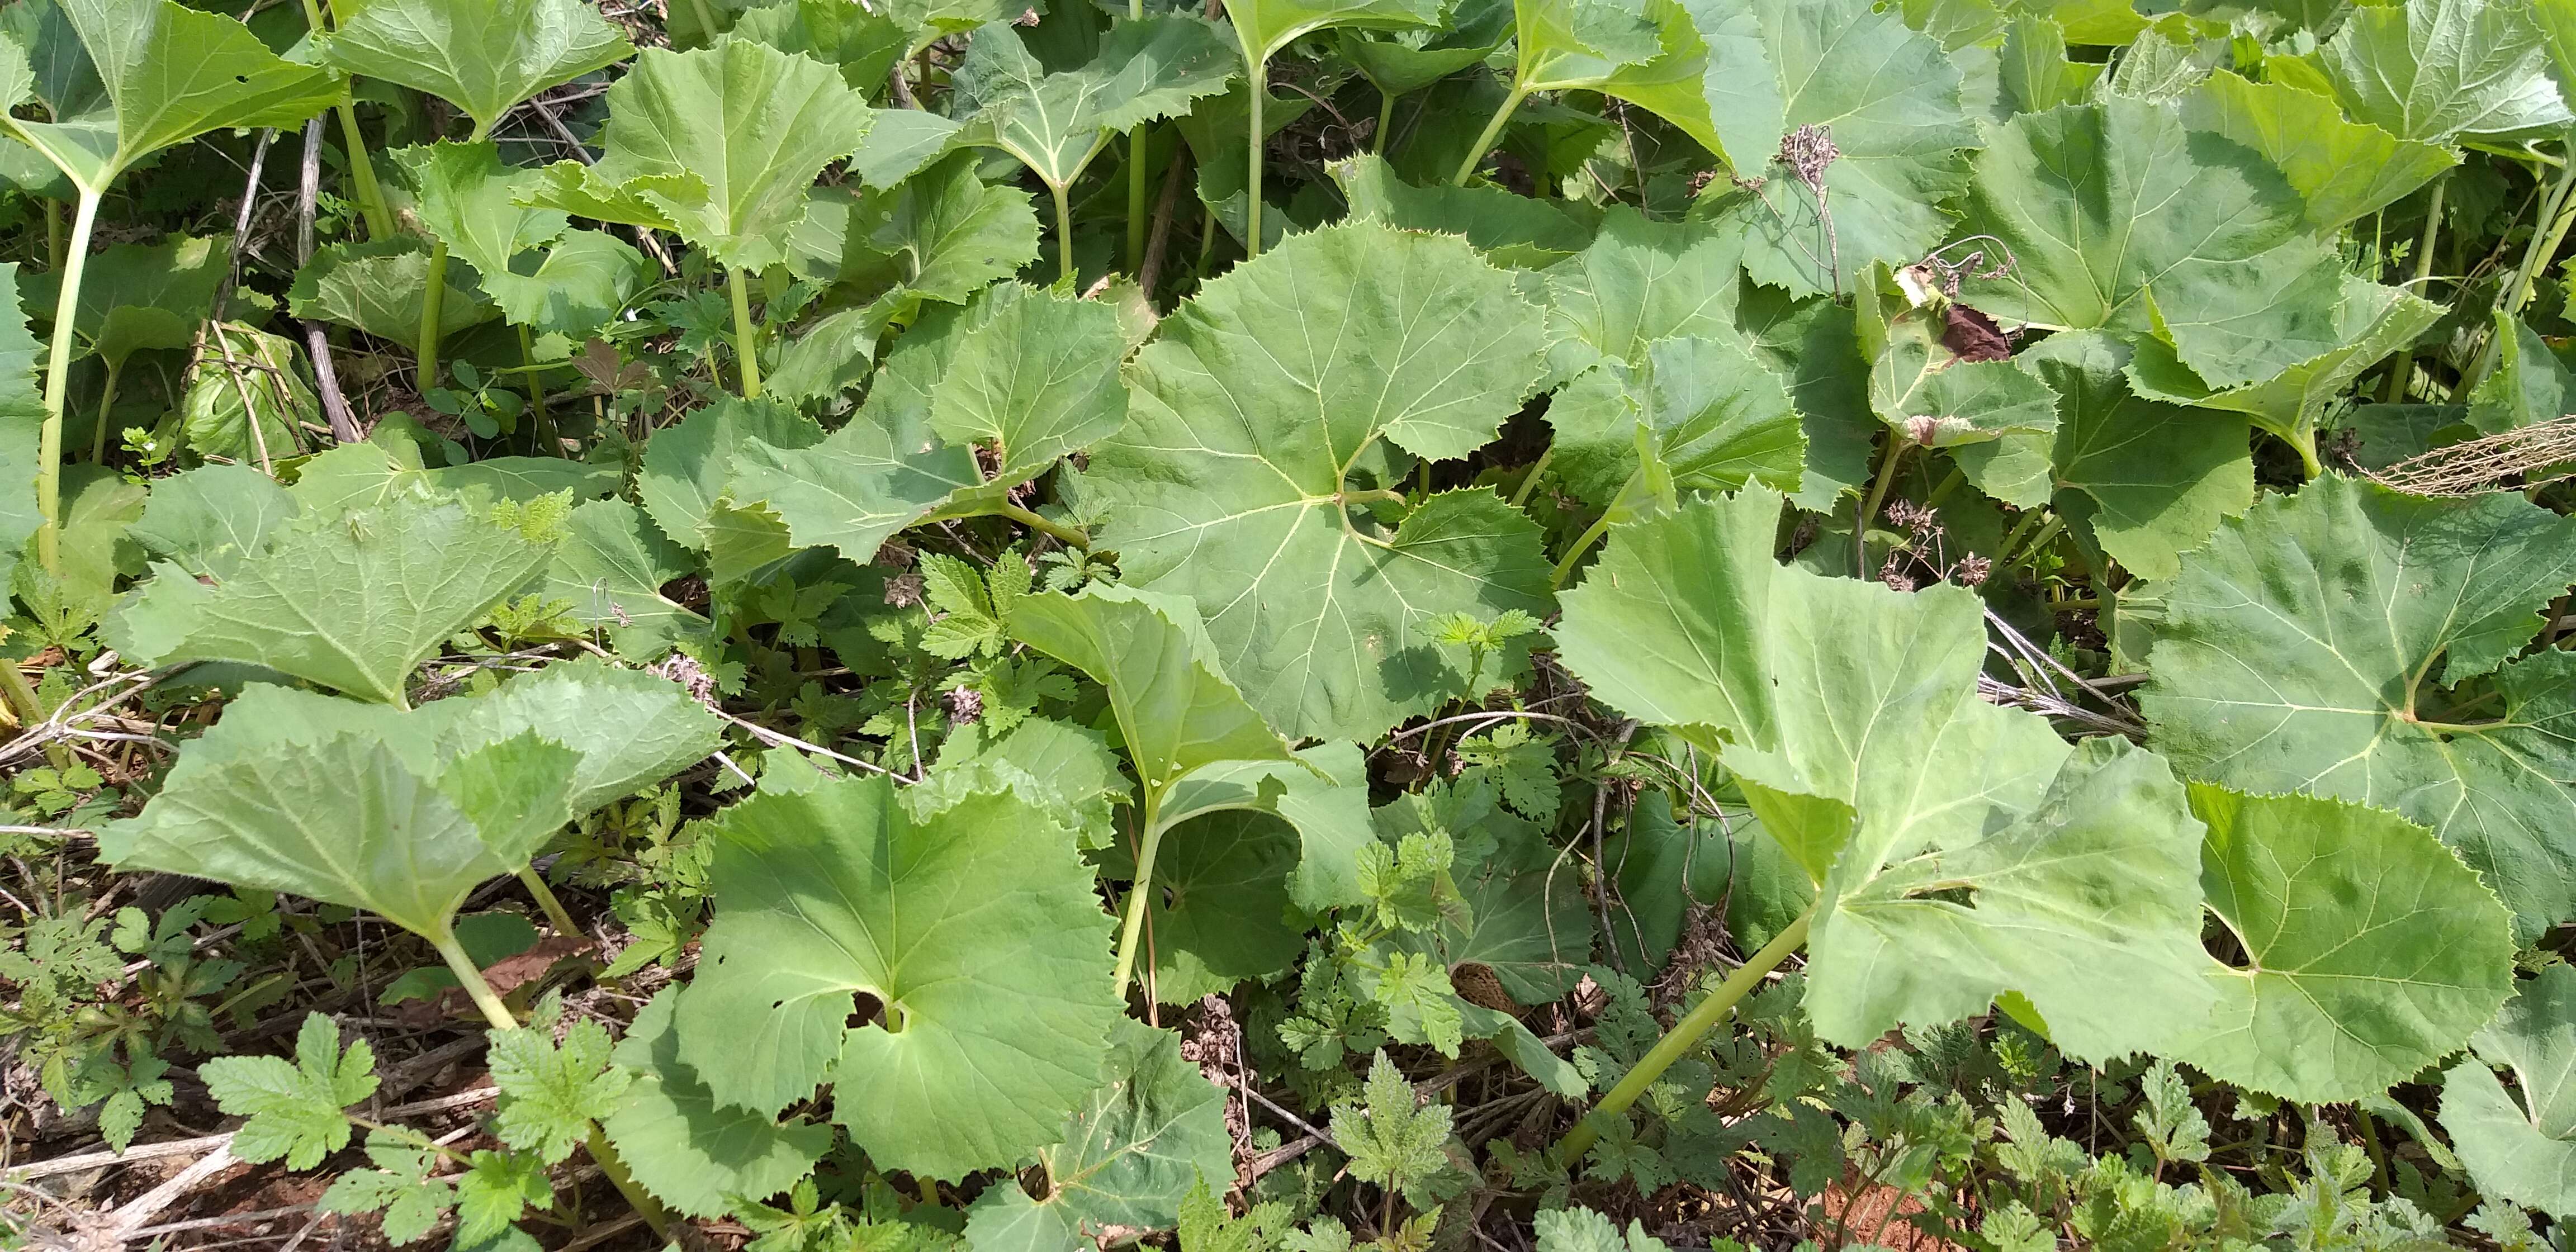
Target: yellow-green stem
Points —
{"points": [[1252, 185], [1685, 1035], [371, 198], [30, 710], [433, 298], [58, 369], [499, 1016], [544, 426], [53, 235], [1385, 119], [1582, 544], [556, 916], [1878, 486], [1136, 200], [1493, 130], [746, 337], [2403, 372], [1063, 232], [1139, 893], [106, 398], [1529, 481], [1062, 533]]}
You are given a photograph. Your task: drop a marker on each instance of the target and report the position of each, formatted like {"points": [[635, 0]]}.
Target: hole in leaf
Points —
{"points": [[2226, 948], [1959, 894], [870, 1011]]}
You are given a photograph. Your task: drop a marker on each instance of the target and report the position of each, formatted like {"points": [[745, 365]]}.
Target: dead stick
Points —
{"points": [[1152, 269], [317, 345]]}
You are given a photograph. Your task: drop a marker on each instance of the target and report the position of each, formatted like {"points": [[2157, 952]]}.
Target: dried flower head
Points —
{"points": [[681, 668], [1807, 151], [965, 704]]}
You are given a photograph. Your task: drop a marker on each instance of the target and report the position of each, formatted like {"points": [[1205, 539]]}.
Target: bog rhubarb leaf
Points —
{"points": [[2521, 1148], [962, 913], [1254, 410], [1849, 713], [1130, 1153], [483, 57], [351, 602], [2353, 642], [2117, 217], [697, 1156], [2437, 71], [1055, 123], [2155, 478], [2370, 951]]}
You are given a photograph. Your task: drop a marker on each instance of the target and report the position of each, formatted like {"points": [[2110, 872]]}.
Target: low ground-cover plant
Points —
{"points": [[1571, 625]]}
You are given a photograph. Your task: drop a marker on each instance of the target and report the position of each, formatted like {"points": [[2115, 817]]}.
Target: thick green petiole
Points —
{"points": [[746, 337], [1136, 200], [1252, 186], [1582, 544], [1684, 1036], [106, 399], [1493, 130], [432, 300], [556, 915], [1063, 233], [1139, 893], [58, 369], [498, 1015]]}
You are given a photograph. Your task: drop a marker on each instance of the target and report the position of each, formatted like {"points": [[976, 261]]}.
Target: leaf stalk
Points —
{"points": [[746, 337], [58, 368], [1493, 130], [1685, 1035], [433, 300]]}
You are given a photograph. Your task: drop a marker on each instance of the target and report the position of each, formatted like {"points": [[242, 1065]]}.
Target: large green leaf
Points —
{"points": [[1265, 26], [2522, 1151], [468, 201], [140, 296], [2159, 476], [1232, 482], [1175, 708], [1130, 1153], [2344, 169], [1922, 389], [2528, 382], [695, 1155], [2115, 216], [631, 728], [170, 74], [1717, 417], [483, 56], [352, 603], [611, 567], [962, 911], [207, 520], [268, 801], [377, 287], [1056, 122], [1513, 230], [1650, 53], [2436, 71], [719, 144], [1220, 909], [2350, 641], [1637, 281], [1405, 61], [22, 418], [1885, 97], [1849, 714], [2369, 950], [688, 465], [2370, 321]]}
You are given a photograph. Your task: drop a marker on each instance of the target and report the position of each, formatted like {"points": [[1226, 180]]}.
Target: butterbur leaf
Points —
{"points": [[1220, 908], [1266, 26], [294, 1110], [1323, 793], [2212, 253], [2370, 321], [2527, 384], [1512, 230], [1949, 816], [2343, 169], [694, 1154], [2159, 476], [347, 819], [965, 917], [611, 567], [2521, 1149], [465, 199], [2318, 644], [1130, 1153], [1885, 98], [1924, 389], [2444, 70], [720, 144], [550, 1092], [2370, 951], [689, 466], [22, 417], [377, 286], [483, 56], [352, 603], [138, 296], [632, 729], [1056, 122], [1650, 53], [1174, 706], [1637, 281], [1231, 483], [170, 74], [881, 472]]}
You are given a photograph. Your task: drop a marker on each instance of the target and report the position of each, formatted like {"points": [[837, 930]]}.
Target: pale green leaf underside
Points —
{"points": [[483, 56], [2521, 1149]]}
